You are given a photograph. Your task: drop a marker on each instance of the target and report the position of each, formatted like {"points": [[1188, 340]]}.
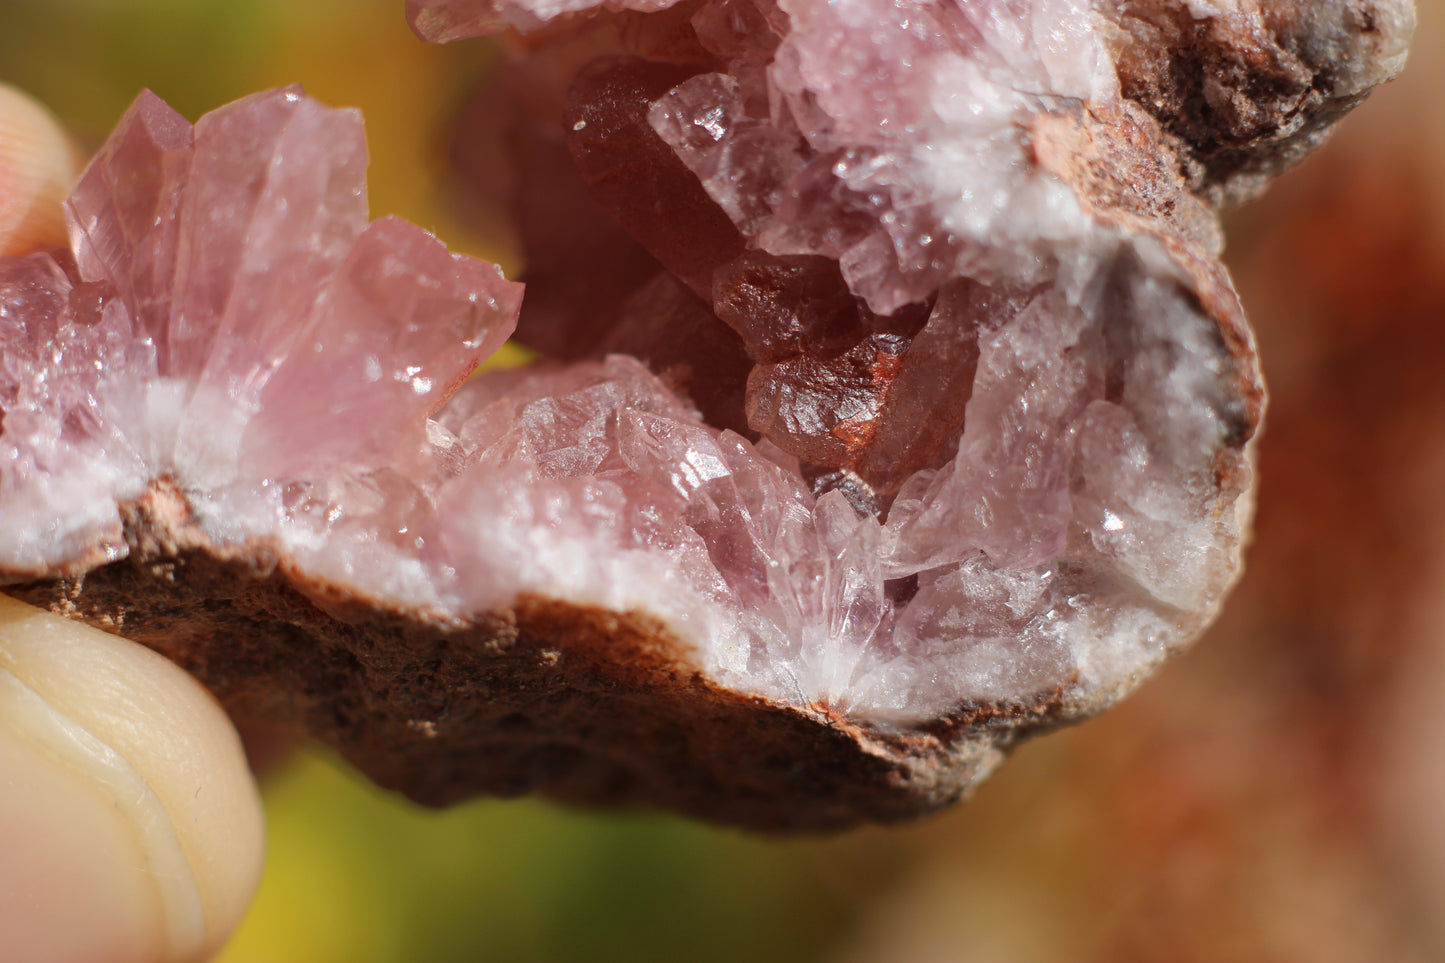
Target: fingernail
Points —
{"points": [[38, 166], [130, 828]]}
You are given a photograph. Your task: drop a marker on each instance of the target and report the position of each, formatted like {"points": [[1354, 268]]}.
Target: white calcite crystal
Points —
{"points": [[898, 406]]}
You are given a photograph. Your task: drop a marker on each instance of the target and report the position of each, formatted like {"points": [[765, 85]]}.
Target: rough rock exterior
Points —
{"points": [[899, 406]]}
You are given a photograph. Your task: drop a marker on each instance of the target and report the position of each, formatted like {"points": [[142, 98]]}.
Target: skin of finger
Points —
{"points": [[166, 728], [67, 877], [38, 166]]}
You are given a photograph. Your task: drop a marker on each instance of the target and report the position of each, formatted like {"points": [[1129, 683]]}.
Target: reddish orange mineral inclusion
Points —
{"points": [[896, 407]]}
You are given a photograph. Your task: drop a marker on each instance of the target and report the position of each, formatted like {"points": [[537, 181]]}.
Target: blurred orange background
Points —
{"points": [[1277, 794]]}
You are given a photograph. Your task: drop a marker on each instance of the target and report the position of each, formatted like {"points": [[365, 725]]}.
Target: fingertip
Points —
{"points": [[130, 826], [38, 166]]}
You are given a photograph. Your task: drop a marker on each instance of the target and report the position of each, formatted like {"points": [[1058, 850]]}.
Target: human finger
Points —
{"points": [[38, 165], [130, 827]]}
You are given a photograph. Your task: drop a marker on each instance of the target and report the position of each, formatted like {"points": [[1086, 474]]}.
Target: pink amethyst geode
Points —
{"points": [[897, 404]]}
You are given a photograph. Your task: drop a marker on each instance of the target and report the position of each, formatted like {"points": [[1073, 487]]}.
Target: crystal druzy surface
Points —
{"points": [[895, 385]]}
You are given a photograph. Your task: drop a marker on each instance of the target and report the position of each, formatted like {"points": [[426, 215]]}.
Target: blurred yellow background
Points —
{"points": [[1278, 794], [87, 59]]}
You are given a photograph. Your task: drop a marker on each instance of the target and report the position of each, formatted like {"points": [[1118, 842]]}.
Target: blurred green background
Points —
{"points": [[1277, 794], [87, 59]]}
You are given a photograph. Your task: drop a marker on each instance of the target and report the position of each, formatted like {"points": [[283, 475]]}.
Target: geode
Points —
{"points": [[895, 404]]}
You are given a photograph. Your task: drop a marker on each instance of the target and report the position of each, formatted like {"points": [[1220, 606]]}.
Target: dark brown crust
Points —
{"points": [[1120, 162], [579, 704], [1252, 89]]}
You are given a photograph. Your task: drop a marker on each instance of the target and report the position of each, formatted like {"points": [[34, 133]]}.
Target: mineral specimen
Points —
{"points": [[898, 404]]}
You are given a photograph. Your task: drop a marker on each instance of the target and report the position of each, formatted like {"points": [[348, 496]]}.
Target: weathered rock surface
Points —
{"points": [[906, 411]]}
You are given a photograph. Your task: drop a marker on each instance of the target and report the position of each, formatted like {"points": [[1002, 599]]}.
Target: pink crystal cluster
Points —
{"points": [[1028, 406], [916, 429], [228, 321]]}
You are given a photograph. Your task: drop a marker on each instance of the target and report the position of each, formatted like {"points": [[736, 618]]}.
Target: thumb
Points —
{"points": [[130, 828], [38, 165]]}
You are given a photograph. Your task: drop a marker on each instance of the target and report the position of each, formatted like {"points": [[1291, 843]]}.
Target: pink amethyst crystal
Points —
{"points": [[906, 406]]}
